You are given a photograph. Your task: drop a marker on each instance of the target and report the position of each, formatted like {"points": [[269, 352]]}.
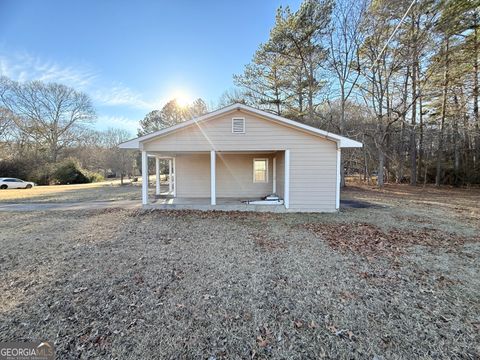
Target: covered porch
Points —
{"points": [[217, 180]]}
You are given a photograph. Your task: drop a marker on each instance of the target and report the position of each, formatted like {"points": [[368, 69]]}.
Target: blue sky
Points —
{"points": [[132, 56]]}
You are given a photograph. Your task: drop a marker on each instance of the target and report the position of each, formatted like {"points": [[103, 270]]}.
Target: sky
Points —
{"points": [[131, 57]]}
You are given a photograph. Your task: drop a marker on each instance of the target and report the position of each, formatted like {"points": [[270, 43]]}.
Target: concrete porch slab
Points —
{"points": [[223, 204]]}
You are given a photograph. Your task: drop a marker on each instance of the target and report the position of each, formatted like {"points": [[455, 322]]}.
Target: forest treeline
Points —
{"points": [[399, 76]]}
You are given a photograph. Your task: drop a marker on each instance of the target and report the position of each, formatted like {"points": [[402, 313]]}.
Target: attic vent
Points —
{"points": [[238, 125]]}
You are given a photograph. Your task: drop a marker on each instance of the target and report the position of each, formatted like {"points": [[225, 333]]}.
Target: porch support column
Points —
{"points": [[213, 195], [157, 176], [274, 177], [144, 178], [286, 191], [174, 178], [170, 182], [337, 192]]}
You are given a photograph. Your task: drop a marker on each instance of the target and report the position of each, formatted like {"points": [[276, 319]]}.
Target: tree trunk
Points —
{"points": [[277, 100], [366, 175], [443, 115], [475, 91], [401, 151], [402, 132], [413, 142], [54, 154], [381, 162], [342, 132], [420, 140], [456, 153], [311, 93], [467, 150], [300, 97]]}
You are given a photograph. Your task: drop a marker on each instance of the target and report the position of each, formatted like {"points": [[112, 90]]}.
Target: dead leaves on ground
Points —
{"points": [[266, 242], [200, 214], [370, 240], [345, 333], [267, 338]]}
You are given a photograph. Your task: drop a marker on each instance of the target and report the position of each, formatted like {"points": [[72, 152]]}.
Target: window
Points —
{"points": [[260, 170], [238, 125]]}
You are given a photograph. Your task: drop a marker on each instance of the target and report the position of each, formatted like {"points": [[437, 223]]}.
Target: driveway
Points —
{"points": [[80, 205]]}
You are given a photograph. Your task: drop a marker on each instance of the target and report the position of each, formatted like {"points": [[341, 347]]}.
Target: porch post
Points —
{"points": [[144, 178], [337, 196], [157, 176], [170, 183], [274, 177], [286, 191], [213, 196], [174, 178]]}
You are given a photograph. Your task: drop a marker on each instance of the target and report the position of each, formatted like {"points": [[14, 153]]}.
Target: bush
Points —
{"points": [[14, 168], [69, 171], [42, 174], [95, 177]]}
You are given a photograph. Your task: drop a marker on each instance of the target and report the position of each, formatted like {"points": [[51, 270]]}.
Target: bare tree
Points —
{"points": [[116, 159], [51, 115], [6, 121], [345, 39], [6, 116]]}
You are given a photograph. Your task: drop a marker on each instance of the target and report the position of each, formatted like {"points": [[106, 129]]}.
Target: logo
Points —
{"points": [[37, 350]]}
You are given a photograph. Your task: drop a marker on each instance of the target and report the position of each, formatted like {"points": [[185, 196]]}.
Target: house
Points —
{"points": [[238, 153]]}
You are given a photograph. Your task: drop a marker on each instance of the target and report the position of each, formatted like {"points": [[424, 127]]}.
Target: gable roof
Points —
{"points": [[343, 142]]}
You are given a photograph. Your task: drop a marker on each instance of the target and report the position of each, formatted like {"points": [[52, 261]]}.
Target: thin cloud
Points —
{"points": [[122, 95], [26, 67], [106, 121]]}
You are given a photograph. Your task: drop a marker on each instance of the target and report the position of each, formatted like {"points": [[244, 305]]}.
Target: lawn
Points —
{"points": [[99, 191], [397, 280]]}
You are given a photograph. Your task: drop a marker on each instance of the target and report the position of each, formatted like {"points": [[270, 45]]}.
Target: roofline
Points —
{"points": [[343, 142]]}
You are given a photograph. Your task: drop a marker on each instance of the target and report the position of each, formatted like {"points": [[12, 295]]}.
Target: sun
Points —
{"points": [[182, 97]]}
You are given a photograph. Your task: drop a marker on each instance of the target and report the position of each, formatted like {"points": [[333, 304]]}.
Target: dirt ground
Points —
{"points": [[399, 280]]}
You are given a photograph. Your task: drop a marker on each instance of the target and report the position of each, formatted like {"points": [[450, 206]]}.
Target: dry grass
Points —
{"points": [[423, 203], [161, 284], [105, 190]]}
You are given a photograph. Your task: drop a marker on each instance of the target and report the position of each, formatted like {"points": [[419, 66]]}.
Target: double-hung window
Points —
{"points": [[260, 170]]}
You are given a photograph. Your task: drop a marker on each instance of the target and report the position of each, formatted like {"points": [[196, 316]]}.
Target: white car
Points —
{"points": [[12, 183]]}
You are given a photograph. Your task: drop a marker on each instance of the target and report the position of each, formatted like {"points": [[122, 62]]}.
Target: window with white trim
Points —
{"points": [[238, 125], [260, 170]]}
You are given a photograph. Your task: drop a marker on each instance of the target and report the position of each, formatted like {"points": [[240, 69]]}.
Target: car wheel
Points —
{"points": [[29, 186], [3, 186]]}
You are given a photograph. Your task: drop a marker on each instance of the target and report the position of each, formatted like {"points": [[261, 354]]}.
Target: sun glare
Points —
{"points": [[182, 97]]}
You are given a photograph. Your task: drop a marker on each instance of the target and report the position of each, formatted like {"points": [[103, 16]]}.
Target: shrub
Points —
{"points": [[95, 177], [69, 171], [42, 174], [14, 168]]}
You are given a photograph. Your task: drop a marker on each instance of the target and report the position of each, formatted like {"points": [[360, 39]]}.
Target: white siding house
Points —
{"points": [[239, 152]]}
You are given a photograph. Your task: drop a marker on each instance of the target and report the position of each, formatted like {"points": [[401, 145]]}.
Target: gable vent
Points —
{"points": [[238, 125]]}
